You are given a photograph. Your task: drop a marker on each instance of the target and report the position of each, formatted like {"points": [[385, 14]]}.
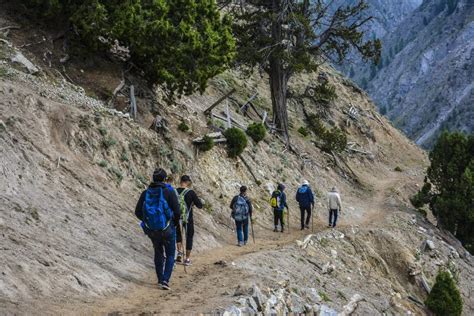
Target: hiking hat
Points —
{"points": [[186, 178], [159, 175], [281, 186], [305, 182], [243, 189]]}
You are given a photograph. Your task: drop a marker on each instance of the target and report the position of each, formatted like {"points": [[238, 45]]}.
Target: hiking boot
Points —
{"points": [[239, 244], [179, 257], [245, 242], [329, 225], [165, 286], [306, 226], [187, 262], [302, 228], [282, 230], [275, 230]]}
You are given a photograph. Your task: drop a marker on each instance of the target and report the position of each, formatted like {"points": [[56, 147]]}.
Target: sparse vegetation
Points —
{"points": [[183, 127], [102, 131], [3, 72], [256, 131], [303, 131], [85, 122], [116, 172], [124, 156], [207, 144], [108, 142], [236, 141], [103, 163], [334, 140], [398, 169], [323, 93], [444, 298], [324, 296]]}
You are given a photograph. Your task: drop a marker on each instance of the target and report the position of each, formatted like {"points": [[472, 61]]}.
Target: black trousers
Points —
{"points": [[278, 217], [333, 217], [189, 234], [305, 211]]}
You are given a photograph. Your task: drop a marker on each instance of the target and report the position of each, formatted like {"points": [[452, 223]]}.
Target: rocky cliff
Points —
{"points": [[424, 83]]}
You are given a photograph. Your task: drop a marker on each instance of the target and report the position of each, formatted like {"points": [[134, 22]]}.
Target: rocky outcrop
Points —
{"points": [[424, 83]]}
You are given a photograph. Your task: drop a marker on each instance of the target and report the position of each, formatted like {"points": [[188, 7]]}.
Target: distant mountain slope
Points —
{"points": [[425, 82]]}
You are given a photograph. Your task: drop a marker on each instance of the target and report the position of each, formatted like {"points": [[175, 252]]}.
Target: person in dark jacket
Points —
{"points": [[278, 211], [241, 212], [305, 198], [164, 242], [190, 199]]}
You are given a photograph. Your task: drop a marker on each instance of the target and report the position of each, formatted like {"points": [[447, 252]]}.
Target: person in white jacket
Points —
{"points": [[334, 205]]}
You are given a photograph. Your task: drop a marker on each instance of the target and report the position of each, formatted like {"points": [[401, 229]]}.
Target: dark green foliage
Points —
{"points": [[103, 163], [284, 38], [334, 140], [315, 124], [324, 93], [449, 187], [303, 131], [183, 127], [398, 169], [117, 173], [102, 131], [256, 131], [207, 144], [445, 299], [177, 44], [236, 141]]}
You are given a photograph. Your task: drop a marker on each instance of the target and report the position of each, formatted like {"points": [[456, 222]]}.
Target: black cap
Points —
{"points": [[186, 178], [243, 189], [281, 186], [159, 175]]}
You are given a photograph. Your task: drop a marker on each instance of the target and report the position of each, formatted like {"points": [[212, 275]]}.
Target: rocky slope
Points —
{"points": [[424, 83], [73, 169]]}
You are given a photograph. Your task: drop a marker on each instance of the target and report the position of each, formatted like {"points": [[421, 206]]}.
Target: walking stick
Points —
{"points": [[253, 234], [312, 218], [288, 217], [183, 245]]}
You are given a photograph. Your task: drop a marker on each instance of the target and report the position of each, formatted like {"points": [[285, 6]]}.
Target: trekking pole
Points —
{"points": [[288, 217], [183, 245], [253, 234], [312, 218]]}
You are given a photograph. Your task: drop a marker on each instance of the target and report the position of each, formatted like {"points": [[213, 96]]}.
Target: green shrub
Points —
{"points": [[334, 140], [324, 93], [102, 131], [180, 44], [117, 173], [315, 124], [398, 169], [183, 127], [108, 142], [256, 131], [207, 144], [124, 156], [236, 141], [444, 298], [303, 131], [103, 163]]}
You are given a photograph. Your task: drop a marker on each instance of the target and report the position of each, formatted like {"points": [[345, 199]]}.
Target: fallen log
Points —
{"points": [[209, 109], [249, 169]]}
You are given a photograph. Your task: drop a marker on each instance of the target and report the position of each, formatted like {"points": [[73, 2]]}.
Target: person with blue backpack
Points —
{"points": [[305, 199], [241, 213], [159, 212]]}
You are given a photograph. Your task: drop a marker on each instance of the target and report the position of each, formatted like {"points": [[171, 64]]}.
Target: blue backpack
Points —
{"points": [[241, 209], [157, 214]]}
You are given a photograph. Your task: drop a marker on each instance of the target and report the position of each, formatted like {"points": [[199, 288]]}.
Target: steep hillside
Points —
{"points": [[424, 83], [73, 169]]}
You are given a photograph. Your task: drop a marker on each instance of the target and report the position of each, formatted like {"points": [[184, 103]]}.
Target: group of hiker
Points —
{"points": [[166, 216]]}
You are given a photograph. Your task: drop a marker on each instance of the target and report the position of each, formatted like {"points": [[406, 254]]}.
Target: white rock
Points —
{"points": [[327, 311], [430, 244], [232, 311], [333, 253], [21, 59]]}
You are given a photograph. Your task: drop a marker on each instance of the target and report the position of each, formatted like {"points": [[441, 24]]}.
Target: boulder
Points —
{"points": [[327, 311], [19, 58]]}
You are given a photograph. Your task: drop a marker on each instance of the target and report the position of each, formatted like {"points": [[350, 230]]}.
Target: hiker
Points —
{"points": [[278, 203], [305, 198], [187, 199], [334, 205], [158, 210], [241, 212]]}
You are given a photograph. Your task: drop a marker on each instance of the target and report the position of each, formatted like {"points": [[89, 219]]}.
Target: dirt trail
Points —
{"points": [[206, 284]]}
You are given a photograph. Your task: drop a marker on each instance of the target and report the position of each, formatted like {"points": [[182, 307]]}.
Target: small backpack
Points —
{"points": [[275, 199], [156, 211], [241, 209], [182, 205], [303, 189]]}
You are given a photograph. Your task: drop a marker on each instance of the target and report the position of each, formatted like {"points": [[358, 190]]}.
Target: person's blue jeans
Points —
{"points": [[164, 243], [242, 228], [333, 217]]}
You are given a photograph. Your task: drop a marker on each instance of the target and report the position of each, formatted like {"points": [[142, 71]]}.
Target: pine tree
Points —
{"points": [[444, 298], [177, 44], [285, 37]]}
